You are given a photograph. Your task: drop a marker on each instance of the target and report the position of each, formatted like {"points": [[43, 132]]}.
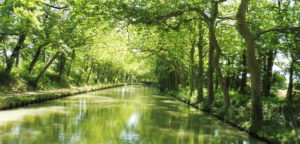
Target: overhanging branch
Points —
{"points": [[53, 6], [281, 30], [1, 33], [163, 17]]}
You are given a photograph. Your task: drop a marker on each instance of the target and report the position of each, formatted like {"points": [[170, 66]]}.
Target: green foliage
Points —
{"points": [[297, 85], [281, 119], [183, 94], [279, 81], [74, 43]]}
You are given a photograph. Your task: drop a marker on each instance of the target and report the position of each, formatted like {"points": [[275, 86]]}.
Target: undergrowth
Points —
{"points": [[281, 122]]}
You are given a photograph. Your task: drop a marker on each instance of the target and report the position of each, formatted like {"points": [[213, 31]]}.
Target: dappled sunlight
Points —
{"points": [[177, 114], [19, 114], [237, 60], [129, 117], [170, 101], [161, 97]]}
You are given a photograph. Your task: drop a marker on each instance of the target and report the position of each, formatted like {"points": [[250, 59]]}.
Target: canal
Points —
{"points": [[123, 115]]}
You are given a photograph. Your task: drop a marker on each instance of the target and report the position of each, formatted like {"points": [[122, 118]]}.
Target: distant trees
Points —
{"points": [[62, 42], [237, 45], [196, 45]]}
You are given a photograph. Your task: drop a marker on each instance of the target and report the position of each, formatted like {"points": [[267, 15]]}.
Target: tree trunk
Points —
{"points": [[18, 58], [45, 69], [36, 56], [216, 82], [244, 74], [183, 82], [176, 81], [228, 76], [291, 84], [210, 84], [62, 66], [214, 42], [91, 69], [253, 65], [200, 74], [79, 79], [44, 58], [181, 70], [15, 53], [268, 74], [192, 81], [180, 75], [211, 24], [71, 62], [98, 73]]}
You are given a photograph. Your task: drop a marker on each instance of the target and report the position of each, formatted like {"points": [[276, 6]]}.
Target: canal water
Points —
{"points": [[123, 115]]}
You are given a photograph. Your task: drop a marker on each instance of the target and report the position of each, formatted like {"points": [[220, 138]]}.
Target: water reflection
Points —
{"points": [[132, 114], [129, 135]]}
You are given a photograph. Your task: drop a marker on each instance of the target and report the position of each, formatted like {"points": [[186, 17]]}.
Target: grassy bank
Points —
{"points": [[23, 99], [281, 122]]}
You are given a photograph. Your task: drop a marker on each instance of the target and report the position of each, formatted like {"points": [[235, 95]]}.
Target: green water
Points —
{"points": [[131, 114]]}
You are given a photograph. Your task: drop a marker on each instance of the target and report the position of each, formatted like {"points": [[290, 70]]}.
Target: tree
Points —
{"points": [[253, 65]]}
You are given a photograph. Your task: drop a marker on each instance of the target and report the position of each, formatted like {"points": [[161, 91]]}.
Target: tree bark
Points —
{"points": [[192, 81], [244, 74], [210, 21], [216, 82], [200, 74], [210, 84], [45, 69], [268, 74], [214, 42], [183, 78], [253, 65], [36, 56], [18, 58], [15, 53], [176, 81], [228, 75], [44, 57], [291, 84]]}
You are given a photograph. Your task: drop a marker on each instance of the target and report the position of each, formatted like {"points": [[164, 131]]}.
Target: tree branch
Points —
{"points": [[227, 18], [52, 6], [157, 18], [282, 30], [1, 33], [201, 12], [176, 27], [146, 20]]}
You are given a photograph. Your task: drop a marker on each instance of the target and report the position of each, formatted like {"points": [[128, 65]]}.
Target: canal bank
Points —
{"points": [[9, 101], [226, 121]]}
